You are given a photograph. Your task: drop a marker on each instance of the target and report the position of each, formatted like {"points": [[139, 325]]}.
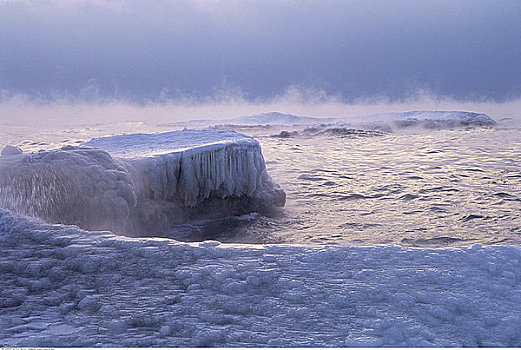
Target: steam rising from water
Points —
{"points": [[35, 124]]}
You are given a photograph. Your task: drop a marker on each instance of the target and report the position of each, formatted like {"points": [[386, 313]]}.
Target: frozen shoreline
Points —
{"points": [[63, 286], [67, 287]]}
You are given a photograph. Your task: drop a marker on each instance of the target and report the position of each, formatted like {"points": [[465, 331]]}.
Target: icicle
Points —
{"points": [[146, 184]]}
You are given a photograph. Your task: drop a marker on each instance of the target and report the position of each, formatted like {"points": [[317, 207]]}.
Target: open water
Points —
{"points": [[426, 188]]}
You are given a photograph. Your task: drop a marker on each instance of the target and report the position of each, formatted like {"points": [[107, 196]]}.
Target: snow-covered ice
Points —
{"points": [[262, 119], [140, 183], [436, 120], [62, 286]]}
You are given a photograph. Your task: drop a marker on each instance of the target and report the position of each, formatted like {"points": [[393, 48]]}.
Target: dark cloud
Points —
{"points": [[143, 50]]}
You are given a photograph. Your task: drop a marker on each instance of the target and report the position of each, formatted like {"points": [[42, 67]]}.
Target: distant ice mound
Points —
{"points": [[258, 120], [426, 120], [279, 119], [141, 183]]}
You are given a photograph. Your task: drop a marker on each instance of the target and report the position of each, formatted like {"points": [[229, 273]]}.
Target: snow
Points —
{"points": [[62, 286], [173, 142], [141, 183]]}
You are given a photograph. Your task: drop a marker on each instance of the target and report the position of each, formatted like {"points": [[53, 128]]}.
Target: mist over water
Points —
{"points": [[349, 174], [410, 187], [32, 123]]}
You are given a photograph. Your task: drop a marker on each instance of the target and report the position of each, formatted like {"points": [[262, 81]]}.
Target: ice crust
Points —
{"points": [[141, 182], [62, 286]]}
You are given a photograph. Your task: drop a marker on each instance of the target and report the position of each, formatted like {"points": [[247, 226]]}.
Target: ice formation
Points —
{"points": [[393, 122], [386, 122], [425, 120], [140, 183], [63, 287], [262, 119], [377, 125], [276, 118]]}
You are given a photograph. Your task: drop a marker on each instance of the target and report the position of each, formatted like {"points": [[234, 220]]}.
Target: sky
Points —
{"points": [[352, 51]]}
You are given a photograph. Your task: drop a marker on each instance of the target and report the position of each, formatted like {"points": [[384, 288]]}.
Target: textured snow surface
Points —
{"points": [[141, 182], [62, 286], [193, 141]]}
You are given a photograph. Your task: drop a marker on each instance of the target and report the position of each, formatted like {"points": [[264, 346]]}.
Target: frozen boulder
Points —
{"points": [[442, 119]]}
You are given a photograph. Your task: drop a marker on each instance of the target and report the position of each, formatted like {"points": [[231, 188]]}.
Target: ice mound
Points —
{"points": [[258, 120], [442, 119], [11, 150], [276, 118], [141, 183], [426, 120]]}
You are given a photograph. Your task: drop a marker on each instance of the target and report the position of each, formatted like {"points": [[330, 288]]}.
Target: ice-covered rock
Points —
{"points": [[141, 182], [424, 120], [340, 129], [442, 119], [262, 119], [277, 118]]}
